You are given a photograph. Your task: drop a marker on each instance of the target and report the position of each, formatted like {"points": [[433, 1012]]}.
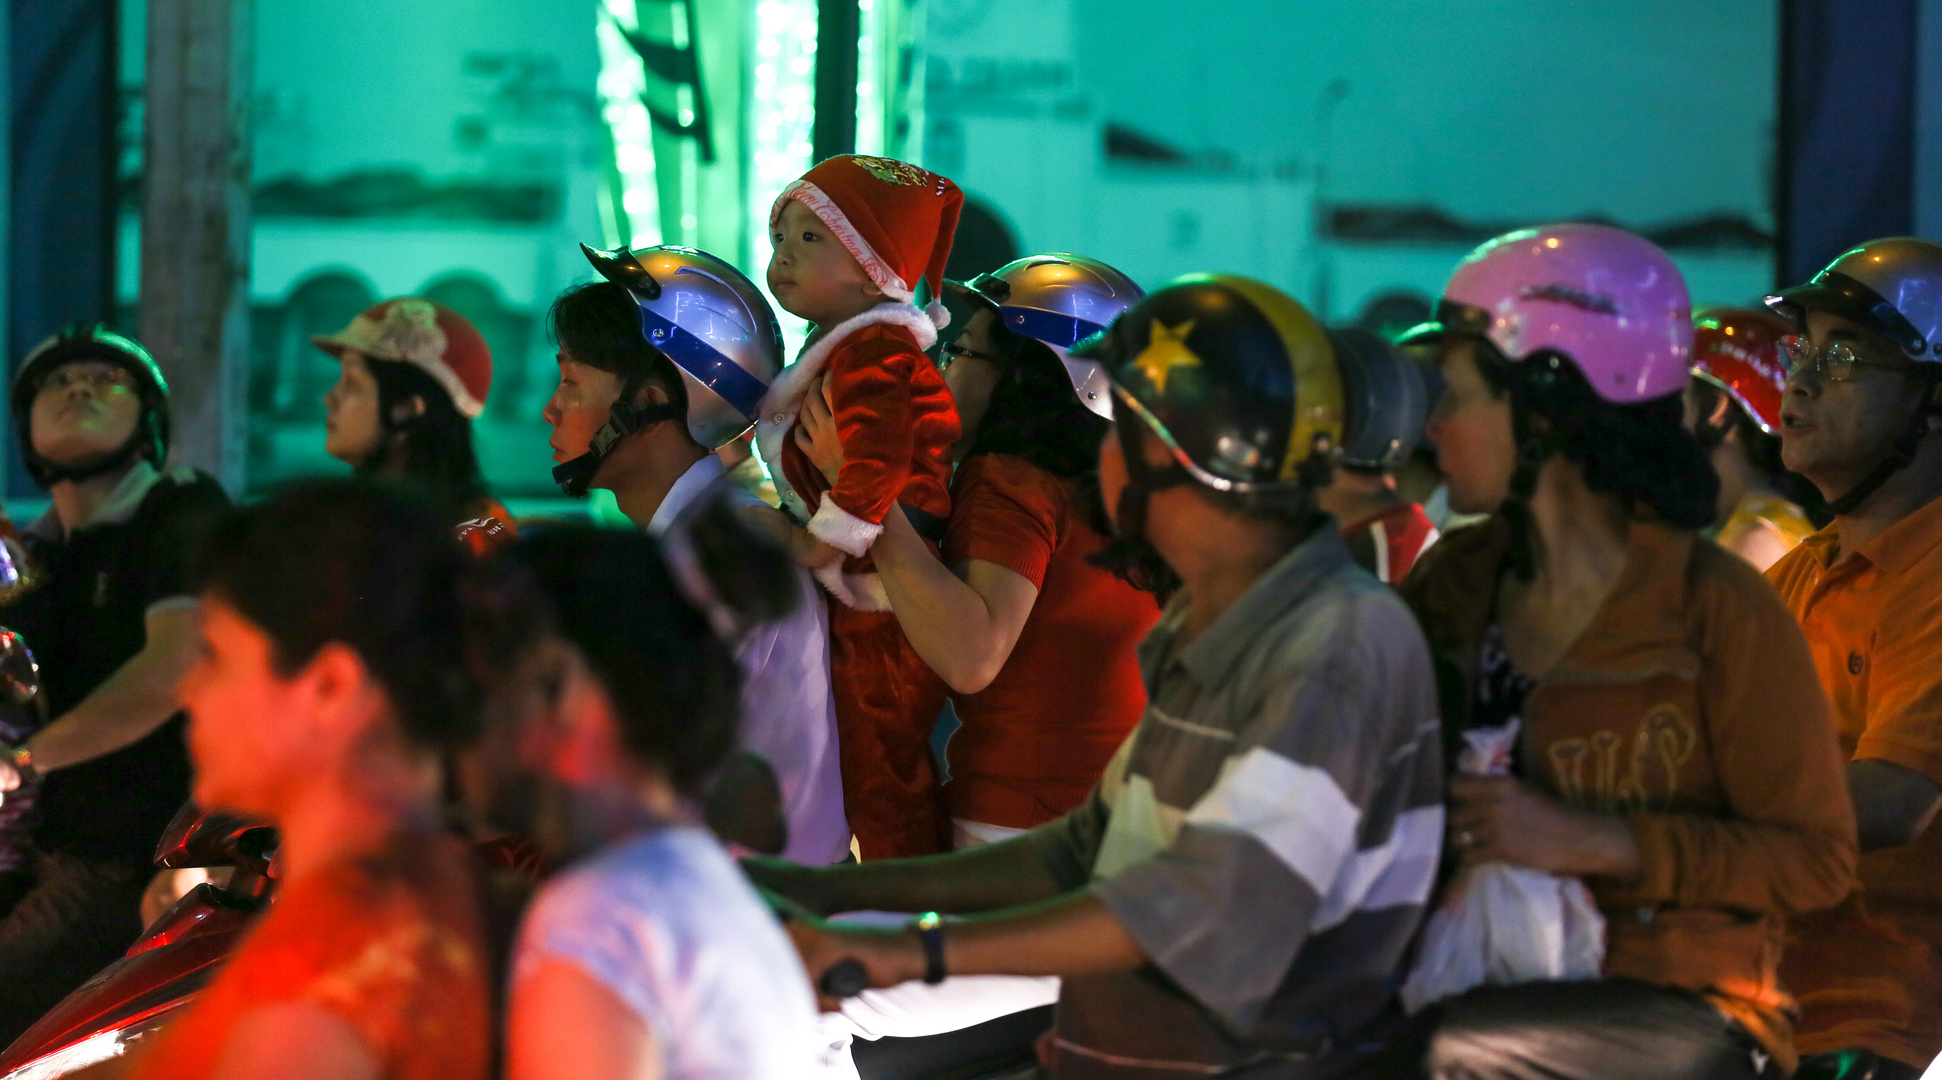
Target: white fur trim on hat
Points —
{"points": [[861, 592], [780, 405], [409, 334], [841, 529], [832, 215]]}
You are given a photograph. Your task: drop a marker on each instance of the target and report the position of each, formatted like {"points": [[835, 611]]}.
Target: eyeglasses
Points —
{"points": [[1835, 362], [97, 380], [954, 352]]}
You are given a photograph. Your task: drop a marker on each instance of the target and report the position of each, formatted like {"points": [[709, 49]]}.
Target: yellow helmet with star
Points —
{"points": [[1238, 380]]}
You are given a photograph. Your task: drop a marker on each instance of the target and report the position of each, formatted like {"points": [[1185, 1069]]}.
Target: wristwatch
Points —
{"points": [[22, 760], [929, 928]]}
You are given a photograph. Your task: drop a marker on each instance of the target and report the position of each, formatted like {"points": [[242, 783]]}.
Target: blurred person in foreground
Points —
{"points": [[1733, 405], [1237, 894], [329, 685], [109, 613], [413, 376], [661, 364], [1388, 400], [1666, 745], [1859, 420], [615, 700]]}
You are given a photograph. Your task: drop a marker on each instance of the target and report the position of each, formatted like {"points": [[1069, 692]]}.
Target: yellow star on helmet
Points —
{"points": [[1165, 350]]}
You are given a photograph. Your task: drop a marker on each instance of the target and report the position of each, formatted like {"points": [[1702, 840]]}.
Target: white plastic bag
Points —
{"points": [[1501, 924]]}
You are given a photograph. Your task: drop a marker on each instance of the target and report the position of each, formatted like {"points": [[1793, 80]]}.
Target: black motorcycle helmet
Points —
{"points": [[1239, 382], [92, 341]]}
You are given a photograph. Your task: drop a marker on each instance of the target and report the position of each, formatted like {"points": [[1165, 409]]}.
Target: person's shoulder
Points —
{"points": [[1459, 569], [1340, 612], [876, 342], [1011, 476], [185, 489], [657, 876], [1714, 567], [1730, 592]]}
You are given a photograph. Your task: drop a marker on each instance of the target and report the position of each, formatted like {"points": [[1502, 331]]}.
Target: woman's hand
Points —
{"points": [[889, 957], [816, 431], [1501, 819]]}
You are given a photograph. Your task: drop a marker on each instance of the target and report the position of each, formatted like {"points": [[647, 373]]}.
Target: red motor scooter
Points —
{"points": [[173, 960]]}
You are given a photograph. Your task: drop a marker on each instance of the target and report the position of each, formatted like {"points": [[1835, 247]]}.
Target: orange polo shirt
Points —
{"points": [[1869, 973]]}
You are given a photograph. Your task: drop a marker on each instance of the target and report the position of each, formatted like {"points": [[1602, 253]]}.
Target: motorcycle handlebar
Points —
{"points": [[844, 979]]}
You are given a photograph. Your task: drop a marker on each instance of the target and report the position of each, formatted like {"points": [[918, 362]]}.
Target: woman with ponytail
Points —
{"points": [[1664, 736], [614, 701], [415, 374]]}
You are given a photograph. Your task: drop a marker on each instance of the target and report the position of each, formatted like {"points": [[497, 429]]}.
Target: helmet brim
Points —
{"points": [[1429, 333], [1844, 297], [963, 302]]}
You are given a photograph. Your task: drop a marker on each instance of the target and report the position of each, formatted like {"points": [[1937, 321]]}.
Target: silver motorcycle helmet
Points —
{"points": [[711, 322], [1059, 300], [1387, 400], [1891, 286]]}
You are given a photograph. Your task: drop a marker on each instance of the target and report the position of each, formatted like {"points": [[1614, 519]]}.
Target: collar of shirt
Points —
{"points": [[684, 492], [1897, 548], [119, 507], [1212, 655]]}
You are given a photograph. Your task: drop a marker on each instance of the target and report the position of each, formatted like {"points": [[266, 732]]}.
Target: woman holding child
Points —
{"points": [[1023, 619]]}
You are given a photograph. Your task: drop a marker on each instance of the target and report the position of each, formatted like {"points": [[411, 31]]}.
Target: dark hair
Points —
{"points": [[1034, 413], [364, 564], [616, 595], [436, 444], [1641, 452], [600, 324], [1761, 450]]}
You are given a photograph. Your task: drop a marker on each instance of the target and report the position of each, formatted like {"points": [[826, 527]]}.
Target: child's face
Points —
{"points": [[811, 274]]}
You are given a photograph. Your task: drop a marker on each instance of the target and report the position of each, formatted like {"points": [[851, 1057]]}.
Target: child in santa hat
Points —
{"points": [[852, 238]]}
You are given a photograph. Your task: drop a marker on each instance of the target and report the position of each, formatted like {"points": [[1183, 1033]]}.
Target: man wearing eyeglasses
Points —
{"points": [[110, 617], [1862, 407]]}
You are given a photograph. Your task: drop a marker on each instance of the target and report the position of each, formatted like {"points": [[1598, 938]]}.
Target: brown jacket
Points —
{"points": [[1690, 706]]}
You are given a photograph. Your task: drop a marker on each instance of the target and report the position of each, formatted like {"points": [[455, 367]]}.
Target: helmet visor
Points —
{"points": [[1451, 318], [1840, 295]]}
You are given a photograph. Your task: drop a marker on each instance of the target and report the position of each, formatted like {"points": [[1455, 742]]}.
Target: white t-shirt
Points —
{"points": [[788, 712], [666, 922]]}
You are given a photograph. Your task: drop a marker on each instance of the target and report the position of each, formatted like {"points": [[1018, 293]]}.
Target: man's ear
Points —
{"points": [[870, 289]]}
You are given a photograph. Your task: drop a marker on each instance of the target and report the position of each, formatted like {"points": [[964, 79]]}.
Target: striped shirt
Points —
{"points": [[1268, 834]]}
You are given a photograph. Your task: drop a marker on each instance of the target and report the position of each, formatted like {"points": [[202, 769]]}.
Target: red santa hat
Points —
{"points": [[896, 219], [430, 337]]}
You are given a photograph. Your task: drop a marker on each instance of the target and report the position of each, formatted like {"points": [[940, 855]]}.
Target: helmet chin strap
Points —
{"points": [[623, 419], [1142, 480], [1898, 459]]}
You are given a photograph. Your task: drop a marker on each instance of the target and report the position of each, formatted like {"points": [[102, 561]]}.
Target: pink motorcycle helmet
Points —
{"points": [[1605, 299]]}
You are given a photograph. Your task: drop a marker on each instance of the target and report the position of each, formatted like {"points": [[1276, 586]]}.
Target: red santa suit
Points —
{"points": [[897, 422]]}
